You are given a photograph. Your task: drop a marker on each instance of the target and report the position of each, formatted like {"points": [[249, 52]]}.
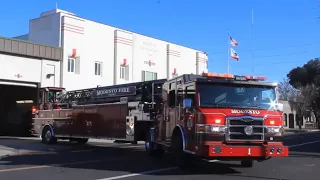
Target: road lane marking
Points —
{"points": [[302, 144], [56, 165], [23, 168], [139, 174]]}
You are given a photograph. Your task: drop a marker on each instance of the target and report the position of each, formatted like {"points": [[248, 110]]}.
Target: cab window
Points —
{"points": [[51, 96], [40, 97], [191, 93]]}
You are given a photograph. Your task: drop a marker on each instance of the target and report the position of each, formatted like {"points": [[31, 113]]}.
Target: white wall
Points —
{"points": [[20, 68], [24, 69], [52, 68], [149, 55], [98, 42], [123, 56]]}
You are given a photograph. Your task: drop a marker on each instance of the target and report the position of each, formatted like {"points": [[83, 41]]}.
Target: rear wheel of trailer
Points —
{"points": [[48, 136]]}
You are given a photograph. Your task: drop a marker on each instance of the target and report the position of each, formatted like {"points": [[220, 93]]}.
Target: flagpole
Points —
{"points": [[252, 34], [228, 46]]}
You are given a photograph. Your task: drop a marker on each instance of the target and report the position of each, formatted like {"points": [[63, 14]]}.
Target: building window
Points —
{"points": [[148, 76], [124, 72], [71, 64], [97, 68]]}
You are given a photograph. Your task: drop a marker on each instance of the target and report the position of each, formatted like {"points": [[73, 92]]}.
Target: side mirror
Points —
{"points": [[279, 107], [187, 103]]}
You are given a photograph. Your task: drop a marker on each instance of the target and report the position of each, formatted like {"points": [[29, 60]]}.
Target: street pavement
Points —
{"points": [[107, 161]]}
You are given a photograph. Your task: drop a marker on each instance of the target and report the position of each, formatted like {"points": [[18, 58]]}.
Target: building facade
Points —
{"points": [[24, 67], [96, 54], [28, 64], [291, 118]]}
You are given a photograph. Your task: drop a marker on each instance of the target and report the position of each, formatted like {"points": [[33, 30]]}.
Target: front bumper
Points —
{"points": [[254, 151]]}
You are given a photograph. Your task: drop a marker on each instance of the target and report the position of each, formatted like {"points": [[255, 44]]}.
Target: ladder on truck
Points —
{"points": [[146, 91]]}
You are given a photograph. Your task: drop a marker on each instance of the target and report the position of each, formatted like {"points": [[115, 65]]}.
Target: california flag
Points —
{"points": [[234, 54], [233, 42]]}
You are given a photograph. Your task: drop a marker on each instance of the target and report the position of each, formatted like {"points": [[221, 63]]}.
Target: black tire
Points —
{"points": [[182, 159], [47, 137], [82, 140], [152, 148], [247, 163]]}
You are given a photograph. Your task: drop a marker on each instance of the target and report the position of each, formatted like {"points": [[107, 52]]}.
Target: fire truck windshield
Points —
{"points": [[237, 95], [54, 96]]}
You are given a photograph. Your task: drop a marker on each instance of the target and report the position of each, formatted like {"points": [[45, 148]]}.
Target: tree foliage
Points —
{"points": [[309, 73], [286, 91], [306, 79]]}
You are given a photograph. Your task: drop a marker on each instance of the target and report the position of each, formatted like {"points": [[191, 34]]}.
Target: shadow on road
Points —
{"points": [[304, 154], [115, 158]]}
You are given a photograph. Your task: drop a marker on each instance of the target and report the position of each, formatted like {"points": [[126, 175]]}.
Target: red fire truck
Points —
{"points": [[222, 117], [211, 116]]}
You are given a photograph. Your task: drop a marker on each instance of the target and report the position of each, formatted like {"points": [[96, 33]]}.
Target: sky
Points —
{"points": [[283, 34]]}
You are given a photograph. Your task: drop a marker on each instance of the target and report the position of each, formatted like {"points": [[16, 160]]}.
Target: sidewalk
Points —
{"points": [[13, 146]]}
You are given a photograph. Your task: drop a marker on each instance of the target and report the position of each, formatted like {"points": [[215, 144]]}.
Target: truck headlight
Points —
{"points": [[200, 128], [274, 130], [218, 129]]}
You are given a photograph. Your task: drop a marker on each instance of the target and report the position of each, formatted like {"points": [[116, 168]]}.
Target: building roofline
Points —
{"points": [[72, 14], [145, 35], [30, 49], [20, 40]]}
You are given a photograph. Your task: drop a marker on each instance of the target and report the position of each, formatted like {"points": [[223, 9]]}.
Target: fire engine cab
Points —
{"points": [[218, 116]]}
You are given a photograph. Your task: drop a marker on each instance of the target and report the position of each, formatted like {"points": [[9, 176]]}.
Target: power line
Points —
{"points": [[280, 55], [272, 63], [277, 55]]}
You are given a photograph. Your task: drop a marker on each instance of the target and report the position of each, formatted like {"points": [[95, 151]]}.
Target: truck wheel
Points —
{"points": [[47, 136], [182, 159], [152, 148], [247, 163]]}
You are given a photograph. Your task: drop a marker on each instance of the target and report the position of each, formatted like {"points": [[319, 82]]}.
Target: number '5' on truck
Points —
{"points": [[208, 116]]}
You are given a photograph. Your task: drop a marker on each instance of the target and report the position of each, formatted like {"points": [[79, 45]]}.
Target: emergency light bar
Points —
{"points": [[235, 77]]}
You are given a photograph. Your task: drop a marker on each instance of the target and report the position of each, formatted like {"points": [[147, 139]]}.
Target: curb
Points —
{"points": [[23, 154], [4, 156], [300, 133]]}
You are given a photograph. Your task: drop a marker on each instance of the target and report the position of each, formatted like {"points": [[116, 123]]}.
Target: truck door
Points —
{"points": [[171, 110], [190, 121]]}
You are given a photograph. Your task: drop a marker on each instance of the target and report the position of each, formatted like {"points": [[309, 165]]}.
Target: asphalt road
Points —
{"points": [[125, 161]]}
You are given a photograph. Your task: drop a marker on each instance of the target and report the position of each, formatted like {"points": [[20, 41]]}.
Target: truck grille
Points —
{"points": [[236, 128]]}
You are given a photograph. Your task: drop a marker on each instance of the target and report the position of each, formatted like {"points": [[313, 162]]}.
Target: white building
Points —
{"points": [[98, 54], [290, 117], [28, 64]]}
